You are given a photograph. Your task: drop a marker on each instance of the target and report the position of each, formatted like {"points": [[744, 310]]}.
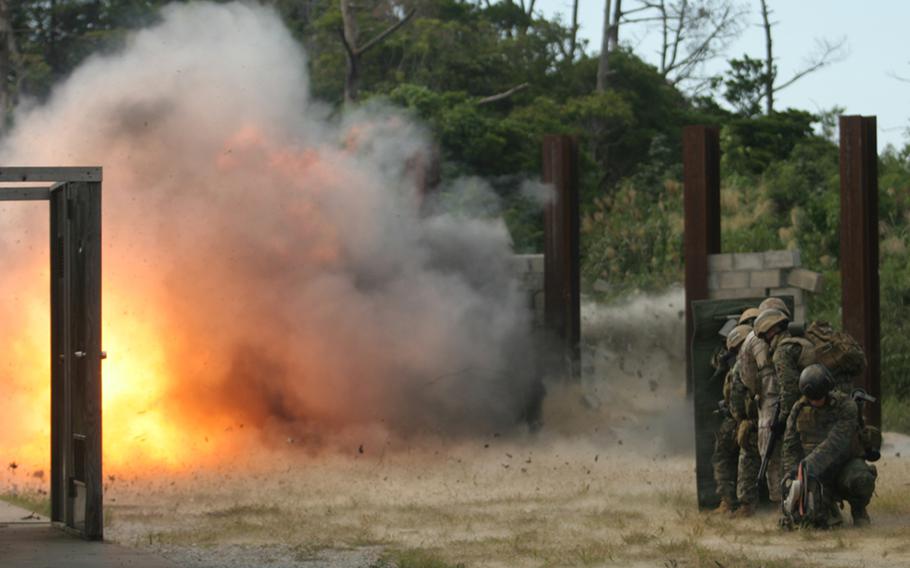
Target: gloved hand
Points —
{"points": [[780, 426], [787, 480]]}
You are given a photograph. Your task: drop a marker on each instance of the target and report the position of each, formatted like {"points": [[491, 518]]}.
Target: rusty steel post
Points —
{"points": [[859, 248], [701, 178], [562, 291]]}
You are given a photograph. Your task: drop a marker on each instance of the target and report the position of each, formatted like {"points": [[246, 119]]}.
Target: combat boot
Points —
{"points": [[745, 511], [860, 516], [725, 507]]}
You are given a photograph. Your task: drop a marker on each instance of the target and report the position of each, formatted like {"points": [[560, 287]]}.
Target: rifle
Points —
{"points": [[776, 432], [861, 397], [725, 360]]}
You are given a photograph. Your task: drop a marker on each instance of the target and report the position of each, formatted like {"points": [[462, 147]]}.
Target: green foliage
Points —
{"points": [[744, 86], [750, 145], [896, 415], [894, 272], [53, 38], [632, 240]]}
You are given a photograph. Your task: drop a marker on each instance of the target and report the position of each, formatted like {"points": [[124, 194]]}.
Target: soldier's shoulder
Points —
{"points": [[798, 406], [843, 402], [788, 347]]}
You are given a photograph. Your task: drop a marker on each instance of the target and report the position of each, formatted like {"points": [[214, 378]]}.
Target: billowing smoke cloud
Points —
{"points": [[265, 266]]}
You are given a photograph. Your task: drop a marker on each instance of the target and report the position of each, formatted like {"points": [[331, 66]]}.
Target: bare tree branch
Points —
{"points": [[573, 38], [610, 40], [828, 53], [353, 52], [692, 31], [642, 20], [387, 32], [770, 70], [503, 95], [644, 6], [349, 52], [700, 52], [681, 23]]}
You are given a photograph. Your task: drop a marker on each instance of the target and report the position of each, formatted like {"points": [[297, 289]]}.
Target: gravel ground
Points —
{"points": [[269, 556]]}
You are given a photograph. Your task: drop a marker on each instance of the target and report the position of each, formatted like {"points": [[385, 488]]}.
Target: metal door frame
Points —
{"points": [[75, 244]]}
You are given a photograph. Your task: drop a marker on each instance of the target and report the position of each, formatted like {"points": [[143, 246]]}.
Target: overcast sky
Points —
{"points": [[877, 45]]}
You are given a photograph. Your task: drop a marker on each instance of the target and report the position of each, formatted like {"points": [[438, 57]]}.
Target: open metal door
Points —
{"points": [[76, 476], [709, 316]]}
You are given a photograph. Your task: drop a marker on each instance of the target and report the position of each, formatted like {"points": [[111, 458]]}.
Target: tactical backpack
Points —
{"points": [[836, 350]]}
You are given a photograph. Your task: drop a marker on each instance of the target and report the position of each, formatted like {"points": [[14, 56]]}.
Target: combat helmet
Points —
{"points": [[748, 316], [815, 381], [774, 303], [737, 335], [768, 319]]}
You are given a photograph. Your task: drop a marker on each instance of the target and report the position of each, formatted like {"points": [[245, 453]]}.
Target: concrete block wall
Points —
{"points": [[529, 270], [761, 274]]}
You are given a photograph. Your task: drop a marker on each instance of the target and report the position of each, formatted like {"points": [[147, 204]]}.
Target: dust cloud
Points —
{"points": [[632, 388]]}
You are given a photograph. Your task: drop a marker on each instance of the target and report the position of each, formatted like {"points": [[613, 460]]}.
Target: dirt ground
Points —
{"points": [[608, 481], [491, 503]]}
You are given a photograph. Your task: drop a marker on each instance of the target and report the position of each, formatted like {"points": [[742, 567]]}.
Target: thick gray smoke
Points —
{"points": [[263, 264]]}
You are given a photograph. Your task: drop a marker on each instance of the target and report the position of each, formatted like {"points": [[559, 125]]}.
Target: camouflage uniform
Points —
{"points": [[743, 405], [726, 452], [758, 376], [786, 352], [826, 440]]}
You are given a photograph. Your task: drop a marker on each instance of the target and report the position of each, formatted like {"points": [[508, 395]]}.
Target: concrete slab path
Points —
{"points": [[10, 514], [34, 543]]}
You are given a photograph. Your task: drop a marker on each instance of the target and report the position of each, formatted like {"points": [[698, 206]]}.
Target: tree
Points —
{"points": [[10, 74], [609, 42], [354, 50], [826, 52], [692, 32], [745, 84], [573, 37]]}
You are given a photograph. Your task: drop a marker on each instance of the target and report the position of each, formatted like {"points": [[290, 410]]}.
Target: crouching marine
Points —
{"points": [[824, 454]]}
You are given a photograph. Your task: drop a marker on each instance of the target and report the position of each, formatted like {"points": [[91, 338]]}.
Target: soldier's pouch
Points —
{"points": [[805, 422], [871, 439], [745, 428]]}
